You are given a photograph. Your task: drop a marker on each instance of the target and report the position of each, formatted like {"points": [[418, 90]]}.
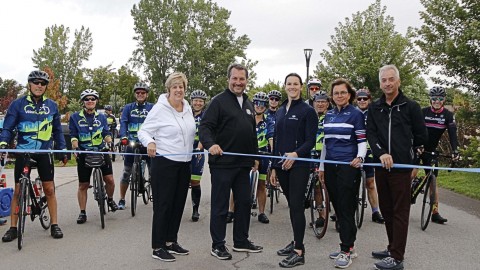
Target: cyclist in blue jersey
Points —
{"points": [[274, 99], [345, 141], [313, 86], [438, 119], [89, 131], [37, 121], [363, 100], [198, 98], [133, 116]]}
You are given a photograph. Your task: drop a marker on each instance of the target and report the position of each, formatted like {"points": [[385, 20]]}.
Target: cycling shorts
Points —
{"points": [[45, 166], [198, 162], [369, 170], [84, 173]]}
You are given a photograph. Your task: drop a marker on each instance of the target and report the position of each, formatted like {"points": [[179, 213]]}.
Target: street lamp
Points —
{"points": [[308, 54]]}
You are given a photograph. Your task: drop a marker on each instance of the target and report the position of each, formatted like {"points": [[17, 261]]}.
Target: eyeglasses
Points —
{"points": [[274, 98], [89, 99], [437, 98], [314, 88], [42, 83], [259, 103], [341, 93], [362, 99], [140, 93]]}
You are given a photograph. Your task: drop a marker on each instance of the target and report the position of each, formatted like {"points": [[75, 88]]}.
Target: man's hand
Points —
{"points": [[108, 139], [455, 156], [387, 161], [255, 166], [215, 150], [152, 149], [420, 150], [124, 141], [74, 144], [273, 177]]}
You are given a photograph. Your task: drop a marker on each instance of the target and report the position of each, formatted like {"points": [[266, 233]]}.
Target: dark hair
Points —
{"points": [[293, 74], [238, 67], [341, 81]]}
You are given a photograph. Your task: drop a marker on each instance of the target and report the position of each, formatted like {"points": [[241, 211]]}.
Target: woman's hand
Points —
{"points": [[152, 149], [288, 162], [356, 162]]}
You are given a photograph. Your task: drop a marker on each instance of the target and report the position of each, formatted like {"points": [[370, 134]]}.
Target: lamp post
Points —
{"points": [[308, 54]]}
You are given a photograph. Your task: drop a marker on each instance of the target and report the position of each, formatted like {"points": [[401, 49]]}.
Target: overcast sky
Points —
{"points": [[279, 30]]}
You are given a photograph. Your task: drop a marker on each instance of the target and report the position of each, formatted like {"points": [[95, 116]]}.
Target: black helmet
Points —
{"points": [[38, 75], [108, 108], [141, 85], [437, 91], [320, 95]]}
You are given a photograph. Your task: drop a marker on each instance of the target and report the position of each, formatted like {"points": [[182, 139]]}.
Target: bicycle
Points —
{"points": [[253, 190], [273, 192], [427, 185], [317, 209], [31, 201], [361, 199], [137, 179], [95, 161]]}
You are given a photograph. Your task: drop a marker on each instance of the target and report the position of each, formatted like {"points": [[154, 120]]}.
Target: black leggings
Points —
{"points": [[294, 184]]}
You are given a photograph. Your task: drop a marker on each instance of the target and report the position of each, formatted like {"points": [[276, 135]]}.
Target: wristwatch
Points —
{"points": [[361, 159]]}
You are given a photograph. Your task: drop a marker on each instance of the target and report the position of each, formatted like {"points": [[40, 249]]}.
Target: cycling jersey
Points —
{"points": [[261, 129], [37, 124], [89, 130], [197, 118], [133, 116], [437, 123], [320, 134], [271, 116]]}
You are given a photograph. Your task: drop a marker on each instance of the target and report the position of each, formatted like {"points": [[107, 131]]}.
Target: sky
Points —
{"points": [[279, 30]]}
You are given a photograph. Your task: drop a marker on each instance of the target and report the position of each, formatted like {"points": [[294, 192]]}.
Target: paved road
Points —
{"points": [[125, 242]]}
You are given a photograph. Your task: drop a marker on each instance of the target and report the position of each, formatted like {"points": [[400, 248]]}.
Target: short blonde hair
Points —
{"points": [[174, 78]]}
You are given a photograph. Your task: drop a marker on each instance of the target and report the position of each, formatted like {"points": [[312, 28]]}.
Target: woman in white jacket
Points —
{"points": [[168, 132]]}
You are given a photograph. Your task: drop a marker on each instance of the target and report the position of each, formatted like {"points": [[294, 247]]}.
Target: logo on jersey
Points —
{"points": [[30, 109], [139, 114]]}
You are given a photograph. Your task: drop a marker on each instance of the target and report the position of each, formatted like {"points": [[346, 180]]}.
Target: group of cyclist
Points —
{"points": [[36, 120]]}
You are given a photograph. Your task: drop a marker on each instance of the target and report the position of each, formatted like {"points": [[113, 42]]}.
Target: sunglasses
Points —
{"points": [[89, 99], [362, 99], [42, 83], [437, 98], [259, 103], [314, 88], [140, 93], [275, 98]]}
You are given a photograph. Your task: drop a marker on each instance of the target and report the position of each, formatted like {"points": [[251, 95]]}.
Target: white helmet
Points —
{"points": [[89, 92]]}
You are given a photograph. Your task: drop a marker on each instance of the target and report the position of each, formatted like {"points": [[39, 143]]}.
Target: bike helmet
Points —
{"points": [[320, 95], [437, 91], [108, 108], [89, 92], [260, 96], [38, 74], [364, 92], [198, 94], [141, 85], [314, 81], [275, 93]]}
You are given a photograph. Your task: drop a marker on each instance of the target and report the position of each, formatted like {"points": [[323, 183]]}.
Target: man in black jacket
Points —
{"points": [[229, 125], [395, 127]]}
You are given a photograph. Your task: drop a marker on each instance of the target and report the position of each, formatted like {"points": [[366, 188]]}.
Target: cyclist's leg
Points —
{"points": [[83, 182], [372, 193], [262, 190], [17, 174], [107, 172], [197, 170], [45, 168], [127, 171]]}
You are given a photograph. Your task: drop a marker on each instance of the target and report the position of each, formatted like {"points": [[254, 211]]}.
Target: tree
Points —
{"points": [[56, 53], [104, 80], [450, 38], [9, 90], [269, 86], [123, 92], [363, 44], [53, 90], [190, 36]]}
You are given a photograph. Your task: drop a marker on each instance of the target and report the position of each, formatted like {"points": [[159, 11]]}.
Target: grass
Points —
{"points": [[461, 182], [70, 163]]}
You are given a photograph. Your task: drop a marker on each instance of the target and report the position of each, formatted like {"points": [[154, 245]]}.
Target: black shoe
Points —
{"points": [[248, 247], [254, 205], [175, 248], [56, 232], [377, 217], [263, 218], [229, 217], [381, 254], [195, 216], [221, 253], [82, 218], [389, 263], [320, 222], [333, 217], [163, 255], [10, 235], [438, 219], [286, 250], [292, 260], [112, 205]]}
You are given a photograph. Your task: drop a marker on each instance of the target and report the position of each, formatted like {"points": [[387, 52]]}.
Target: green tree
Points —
{"points": [[104, 80], [123, 92], [190, 36], [63, 58], [364, 43], [450, 38], [267, 87], [9, 90]]}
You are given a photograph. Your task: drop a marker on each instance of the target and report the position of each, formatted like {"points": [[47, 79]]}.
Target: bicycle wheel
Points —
{"points": [[44, 213], [271, 197], [362, 192], [428, 201], [313, 206], [253, 190], [323, 208], [100, 194], [134, 187], [22, 210], [147, 191]]}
